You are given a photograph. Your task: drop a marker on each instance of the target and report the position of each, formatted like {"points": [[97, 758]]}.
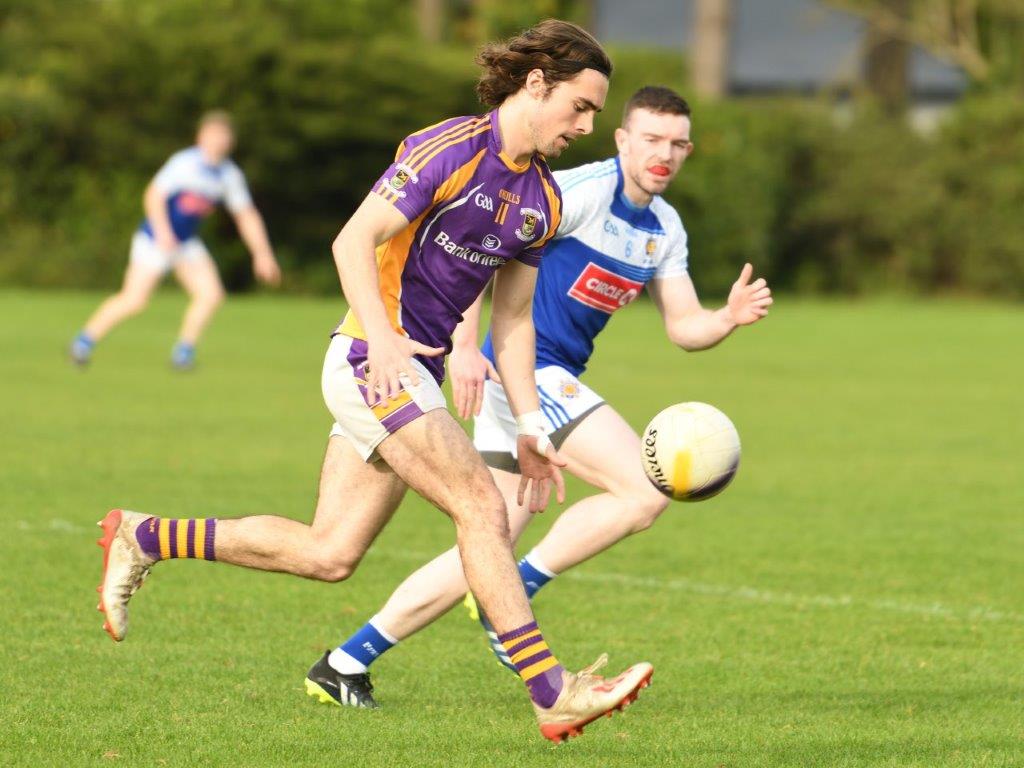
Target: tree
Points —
{"points": [[430, 20], [982, 37], [712, 25], [885, 61]]}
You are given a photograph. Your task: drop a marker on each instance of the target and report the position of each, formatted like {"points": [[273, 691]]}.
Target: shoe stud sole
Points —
{"points": [[318, 693], [109, 524]]}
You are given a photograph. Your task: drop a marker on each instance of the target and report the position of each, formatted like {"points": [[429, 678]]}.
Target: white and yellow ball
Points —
{"points": [[690, 451]]}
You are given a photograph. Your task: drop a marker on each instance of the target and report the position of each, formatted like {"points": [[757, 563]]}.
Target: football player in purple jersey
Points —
{"points": [[464, 200]]}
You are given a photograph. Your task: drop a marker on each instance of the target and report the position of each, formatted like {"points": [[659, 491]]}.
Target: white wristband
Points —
{"points": [[532, 425]]}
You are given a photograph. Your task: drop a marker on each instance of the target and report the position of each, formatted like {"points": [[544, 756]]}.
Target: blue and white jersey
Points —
{"points": [[604, 253], [194, 189]]}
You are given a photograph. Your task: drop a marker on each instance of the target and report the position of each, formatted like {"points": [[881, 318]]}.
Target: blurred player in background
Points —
{"points": [[616, 237], [185, 190], [465, 200]]}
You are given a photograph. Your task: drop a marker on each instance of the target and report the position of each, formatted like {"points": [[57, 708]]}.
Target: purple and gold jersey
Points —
{"points": [[470, 210]]}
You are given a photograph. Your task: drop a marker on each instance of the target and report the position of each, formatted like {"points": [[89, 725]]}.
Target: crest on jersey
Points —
{"points": [[569, 389], [403, 175], [652, 246], [527, 231]]}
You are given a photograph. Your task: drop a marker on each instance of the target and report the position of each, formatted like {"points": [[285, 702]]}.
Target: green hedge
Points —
{"points": [[94, 96]]}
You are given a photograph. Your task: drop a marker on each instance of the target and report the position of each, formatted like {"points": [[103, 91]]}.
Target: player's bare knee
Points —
{"points": [[333, 571], [645, 508], [211, 299], [482, 511], [330, 561], [480, 497], [132, 304]]}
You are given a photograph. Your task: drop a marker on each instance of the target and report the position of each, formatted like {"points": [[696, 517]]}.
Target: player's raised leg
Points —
{"points": [[198, 275], [605, 452], [434, 456], [140, 280], [346, 522]]}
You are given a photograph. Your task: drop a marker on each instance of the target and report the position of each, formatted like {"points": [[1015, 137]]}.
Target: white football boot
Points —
{"points": [[586, 696]]}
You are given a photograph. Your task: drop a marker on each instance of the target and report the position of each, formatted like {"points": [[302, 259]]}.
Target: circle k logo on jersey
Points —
{"points": [[491, 243], [193, 204], [604, 290]]}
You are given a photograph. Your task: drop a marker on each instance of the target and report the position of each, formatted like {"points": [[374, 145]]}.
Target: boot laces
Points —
{"points": [[590, 672]]}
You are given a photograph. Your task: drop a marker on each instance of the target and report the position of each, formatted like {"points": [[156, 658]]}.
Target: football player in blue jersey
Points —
{"points": [[617, 236], [186, 189]]}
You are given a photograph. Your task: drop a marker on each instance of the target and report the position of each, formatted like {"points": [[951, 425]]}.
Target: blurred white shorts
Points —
{"points": [[344, 387], [145, 252], [565, 402]]}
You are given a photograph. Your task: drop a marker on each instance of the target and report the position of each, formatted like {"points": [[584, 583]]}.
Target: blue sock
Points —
{"points": [[357, 653], [534, 574], [183, 355], [85, 340]]}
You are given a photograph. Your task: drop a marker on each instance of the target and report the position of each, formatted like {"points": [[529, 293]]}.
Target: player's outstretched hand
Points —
{"points": [[749, 302], [538, 470], [388, 359], [267, 270], [468, 369]]}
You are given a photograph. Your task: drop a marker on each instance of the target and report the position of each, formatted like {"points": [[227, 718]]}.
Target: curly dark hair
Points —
{"points": [[559, 49]]}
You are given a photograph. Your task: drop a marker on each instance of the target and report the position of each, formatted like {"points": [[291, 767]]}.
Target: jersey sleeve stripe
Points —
{"points": [[385, 191], [452, 142], [433, 141], [431, 127]]}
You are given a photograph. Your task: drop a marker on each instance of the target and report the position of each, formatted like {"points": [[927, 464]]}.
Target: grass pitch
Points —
{"points": [[854, 599]]}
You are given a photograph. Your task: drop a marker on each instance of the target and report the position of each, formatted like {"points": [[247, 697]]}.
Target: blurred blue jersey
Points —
{"points": [[194, 189]]}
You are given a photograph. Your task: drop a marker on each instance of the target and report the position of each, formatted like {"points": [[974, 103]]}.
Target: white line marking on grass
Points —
{"points": [[53, 525], [727, 591], [752, 594], [765, 596]]}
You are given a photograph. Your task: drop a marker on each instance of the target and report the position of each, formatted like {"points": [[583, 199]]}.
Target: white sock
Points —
{"points": [[345, 664]]}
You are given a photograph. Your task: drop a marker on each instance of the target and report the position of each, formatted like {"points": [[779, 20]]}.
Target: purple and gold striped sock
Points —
{"points": [[164, 539], [535, 663]]}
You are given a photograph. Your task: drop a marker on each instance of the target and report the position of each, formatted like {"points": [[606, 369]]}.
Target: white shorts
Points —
{"points": [[344, 387], [564, 402], [145, 252]]}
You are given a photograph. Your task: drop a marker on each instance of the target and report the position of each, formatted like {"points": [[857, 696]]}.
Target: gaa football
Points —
{"points": [[690, 451]]}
